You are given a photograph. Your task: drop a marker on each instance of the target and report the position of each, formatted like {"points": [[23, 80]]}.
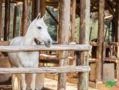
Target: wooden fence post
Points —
{"points": [[73, 20], [25, 17], [82, 57], [64, 30], [99, 62], [14, 20], [42, 7], [1, 20], [36, 8], [7, 20]]}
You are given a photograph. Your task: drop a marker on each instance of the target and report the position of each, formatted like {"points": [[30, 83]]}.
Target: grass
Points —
{"points": [[110, 83]]}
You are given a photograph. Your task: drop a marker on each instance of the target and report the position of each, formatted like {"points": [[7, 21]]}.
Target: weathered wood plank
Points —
{"points": [[4, 43], [83, 47], [63, 69]]}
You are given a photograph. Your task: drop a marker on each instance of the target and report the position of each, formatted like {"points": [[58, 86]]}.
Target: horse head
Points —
{"points": [[39, 31]]}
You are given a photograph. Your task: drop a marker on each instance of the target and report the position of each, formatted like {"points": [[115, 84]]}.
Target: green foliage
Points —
{"points": [[52, 25], [110, 83]]}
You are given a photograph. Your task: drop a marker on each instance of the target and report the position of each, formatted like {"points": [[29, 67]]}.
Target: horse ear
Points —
{"points": [[43, 17], [38, 16]]}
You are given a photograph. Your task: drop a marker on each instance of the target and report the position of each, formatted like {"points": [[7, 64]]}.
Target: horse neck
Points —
{"points": [[28, 38]]}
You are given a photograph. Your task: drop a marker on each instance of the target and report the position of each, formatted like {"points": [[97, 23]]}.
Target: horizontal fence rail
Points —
{"points": [[63, 69], [75, 47]]}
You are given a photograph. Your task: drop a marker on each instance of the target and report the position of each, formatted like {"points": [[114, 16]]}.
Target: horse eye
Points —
{"points": [[39, 27]]}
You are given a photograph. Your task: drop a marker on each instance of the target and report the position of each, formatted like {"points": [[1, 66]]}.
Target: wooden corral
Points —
{"points": [[66, 24], [62, 69]]}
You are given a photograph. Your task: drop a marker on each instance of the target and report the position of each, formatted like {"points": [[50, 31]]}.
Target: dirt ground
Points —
{"points": [[52, 84]]}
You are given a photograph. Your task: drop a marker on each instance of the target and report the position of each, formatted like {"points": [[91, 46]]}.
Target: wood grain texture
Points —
{"points": [[82, 57], [63, 69], [100, 40], [83, 47]]}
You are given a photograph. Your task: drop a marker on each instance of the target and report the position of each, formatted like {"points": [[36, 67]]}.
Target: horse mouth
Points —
{"points": [[37, 41], [47, 43]]}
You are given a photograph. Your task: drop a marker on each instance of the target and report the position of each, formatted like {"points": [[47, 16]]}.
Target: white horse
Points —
{"points": [[37, 30]]}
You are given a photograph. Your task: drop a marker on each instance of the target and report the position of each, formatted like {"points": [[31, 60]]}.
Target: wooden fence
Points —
{"points": [[61, 69]]}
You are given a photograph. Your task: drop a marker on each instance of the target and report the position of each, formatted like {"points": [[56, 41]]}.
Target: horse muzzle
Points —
{"points": [[48, 43]]}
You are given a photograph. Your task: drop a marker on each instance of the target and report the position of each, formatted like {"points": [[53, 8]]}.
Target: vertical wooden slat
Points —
{"points": [[42, 7], [35, 7], [73, 23], [25, 17], [64, 21], [7, 20], [14, 21], [1, 20], [64, 30], [82, 57], [99, 62], [38, 6]]}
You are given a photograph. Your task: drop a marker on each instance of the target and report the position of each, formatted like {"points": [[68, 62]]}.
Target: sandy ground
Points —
{"points": [[52, 84]]}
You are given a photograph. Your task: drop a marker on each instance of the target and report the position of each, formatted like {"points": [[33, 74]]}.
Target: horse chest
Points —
{"points": [[24, 59], [29, 59]]}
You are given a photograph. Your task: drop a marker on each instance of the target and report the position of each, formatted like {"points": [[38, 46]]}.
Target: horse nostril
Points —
{"points": [[48, 41]]}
